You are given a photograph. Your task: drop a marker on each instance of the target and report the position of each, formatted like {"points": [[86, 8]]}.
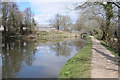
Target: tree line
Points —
{"points": [[103, 19], [100, 18], [16, 22]]}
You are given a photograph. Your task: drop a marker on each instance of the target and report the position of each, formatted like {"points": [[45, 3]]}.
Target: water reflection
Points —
{"points": [[65, 48], [28, 59]]}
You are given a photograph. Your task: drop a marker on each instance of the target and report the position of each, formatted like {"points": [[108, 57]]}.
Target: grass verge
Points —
{"points": [[110, 49], [80, 65]]}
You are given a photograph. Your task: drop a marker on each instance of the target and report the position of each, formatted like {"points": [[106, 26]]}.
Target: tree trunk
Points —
{"points": [[118, 35], [5, 34], [58, 27], [21, 30], [103, 35]]}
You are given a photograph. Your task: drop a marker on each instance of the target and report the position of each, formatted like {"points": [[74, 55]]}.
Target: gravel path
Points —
{"points": [[104, 63]]}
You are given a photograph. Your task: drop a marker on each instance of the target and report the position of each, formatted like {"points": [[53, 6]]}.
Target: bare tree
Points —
{"points": [[60, 22], [107, 19]]}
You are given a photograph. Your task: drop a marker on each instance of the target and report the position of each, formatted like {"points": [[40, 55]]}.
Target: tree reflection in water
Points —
{"points": [[15, 54], [65, 48], [19, 54]]}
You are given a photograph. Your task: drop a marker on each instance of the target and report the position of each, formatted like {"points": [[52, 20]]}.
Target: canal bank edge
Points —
{"points": [[80, 65]]}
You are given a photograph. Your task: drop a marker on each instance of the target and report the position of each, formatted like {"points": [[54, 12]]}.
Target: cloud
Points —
{"points": [[44, 11], [47, 0]]}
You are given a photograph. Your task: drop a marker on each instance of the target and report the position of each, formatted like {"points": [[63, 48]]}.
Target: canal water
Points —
{"points": [[29, 59]]}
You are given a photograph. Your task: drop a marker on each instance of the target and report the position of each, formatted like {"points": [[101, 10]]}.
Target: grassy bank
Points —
{"points": [[79, 66], [55, 35], [46, 36], [110, 49]]}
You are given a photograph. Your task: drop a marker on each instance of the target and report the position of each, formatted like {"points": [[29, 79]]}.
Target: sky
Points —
{"points": [[47, 0], [44, 11]]}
